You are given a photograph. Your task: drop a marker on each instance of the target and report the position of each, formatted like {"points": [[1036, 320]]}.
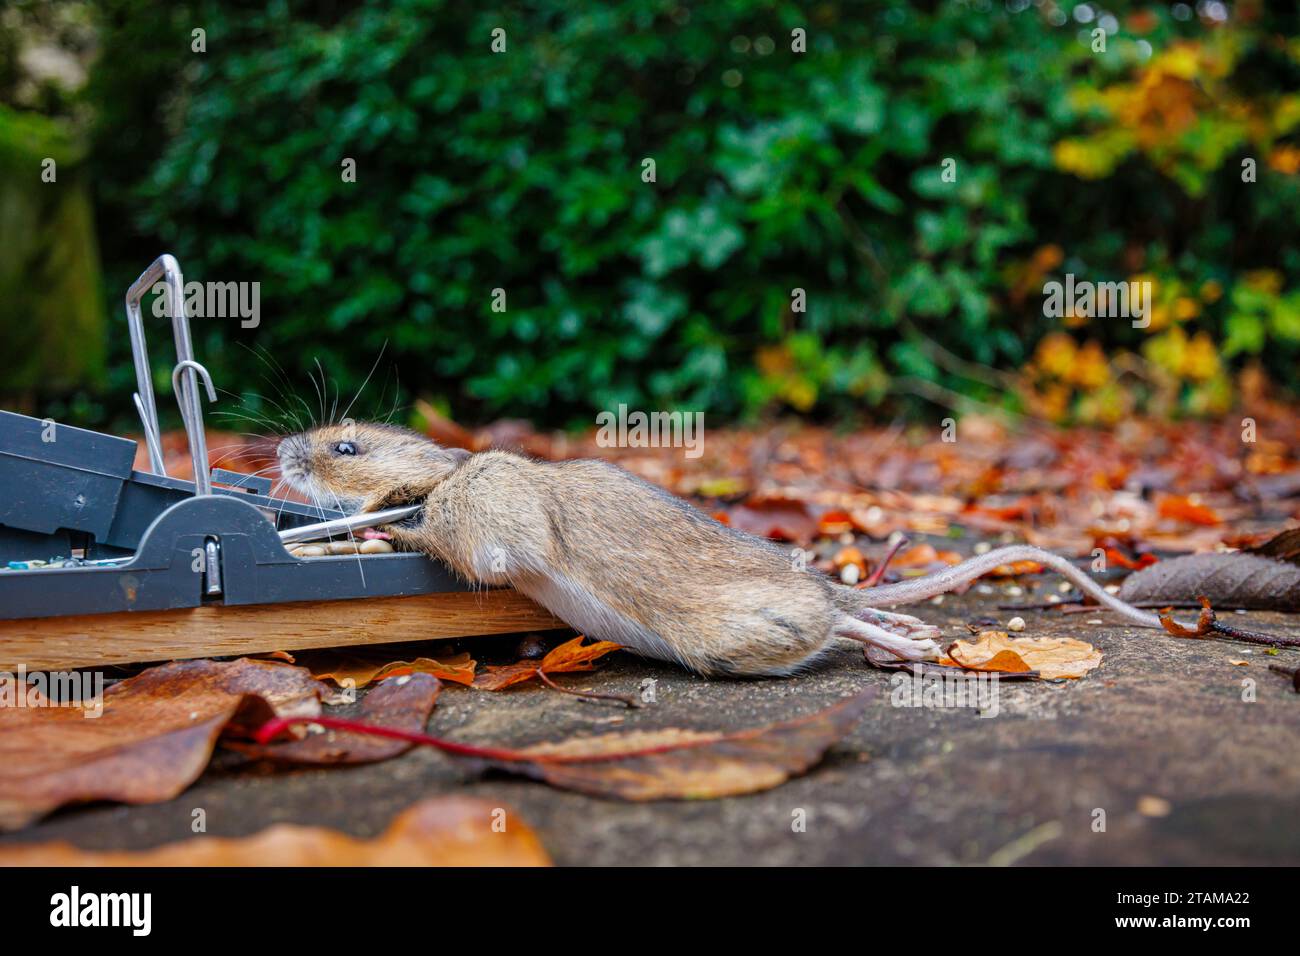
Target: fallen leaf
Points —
{"points": [[677, 764], [1051, 657], [154, 737], [850, 555], [404, 703], [1015, 569], [1236, 579], [362, 669], [835, 522], [1283, 546], [785, 519], [924, 555], [1007, 662], [570, 656], [445, 831], [1182, 508]]}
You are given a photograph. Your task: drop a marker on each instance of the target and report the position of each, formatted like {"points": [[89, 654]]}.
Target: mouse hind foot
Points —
{"points": [[902, 635]]}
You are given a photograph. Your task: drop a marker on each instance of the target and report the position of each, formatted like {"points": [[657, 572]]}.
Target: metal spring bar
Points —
{"points": [[192, 416], [166, 268]]}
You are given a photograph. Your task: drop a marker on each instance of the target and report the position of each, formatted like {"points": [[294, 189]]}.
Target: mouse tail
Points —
{"points": [[855, 601]]}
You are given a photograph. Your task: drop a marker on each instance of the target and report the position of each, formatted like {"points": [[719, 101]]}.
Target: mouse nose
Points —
{"points": [[289, 448]]}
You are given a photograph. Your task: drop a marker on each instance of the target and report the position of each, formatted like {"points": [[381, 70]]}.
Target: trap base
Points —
{"points": [[91, 640]]}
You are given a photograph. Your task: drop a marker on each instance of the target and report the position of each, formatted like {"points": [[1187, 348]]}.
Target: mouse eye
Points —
{"points": [[345, 448]]}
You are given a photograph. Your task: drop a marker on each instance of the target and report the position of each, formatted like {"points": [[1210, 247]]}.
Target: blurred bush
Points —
{"points": [[775, 170]]}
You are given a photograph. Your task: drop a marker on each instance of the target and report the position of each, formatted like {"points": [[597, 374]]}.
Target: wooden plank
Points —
{"points": [[56, 643]]}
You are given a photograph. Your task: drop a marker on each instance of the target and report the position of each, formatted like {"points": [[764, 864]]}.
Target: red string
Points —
{"points": [[278, 725]]}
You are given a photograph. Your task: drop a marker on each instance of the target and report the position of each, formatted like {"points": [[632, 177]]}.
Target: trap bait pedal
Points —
{"points": [[161, 568]]}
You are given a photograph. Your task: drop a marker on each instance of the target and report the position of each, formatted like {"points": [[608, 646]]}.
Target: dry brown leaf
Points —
{"points": [[363, 669], [677, 764], [399, 703], [568, 657], [1051, 657], [777, 517], [154, 737], [446, 831], [1236, 579]]}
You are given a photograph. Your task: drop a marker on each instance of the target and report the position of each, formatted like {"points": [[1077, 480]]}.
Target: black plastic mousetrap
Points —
{"points": [[101, 563]]}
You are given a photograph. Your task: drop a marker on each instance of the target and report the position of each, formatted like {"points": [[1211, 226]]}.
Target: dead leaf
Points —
{"points": [[402, 703], [1051, 657], [677, 764], [568, 657], [850, 555], [1236, 579], [784, 519], [362, 668], [1182, 508], [445, 831], [154, 737], [1283, 546], [924, 555]]}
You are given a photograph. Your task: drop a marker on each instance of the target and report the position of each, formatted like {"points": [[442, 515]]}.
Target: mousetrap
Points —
{"points": [[101, 563]]}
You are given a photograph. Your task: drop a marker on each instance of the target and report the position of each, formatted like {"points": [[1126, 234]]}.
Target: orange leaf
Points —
{"points": [[570, 656], [443, 831], [1182, 508]]}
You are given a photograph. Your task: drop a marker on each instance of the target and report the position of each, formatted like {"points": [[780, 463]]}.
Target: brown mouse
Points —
{"points": [[623, 560]]}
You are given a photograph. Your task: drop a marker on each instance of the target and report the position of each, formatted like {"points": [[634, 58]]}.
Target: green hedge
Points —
{"points": [[776, 170]]}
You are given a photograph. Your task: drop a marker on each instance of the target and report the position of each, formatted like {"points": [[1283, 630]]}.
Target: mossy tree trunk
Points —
{"points": [[52, 316]]}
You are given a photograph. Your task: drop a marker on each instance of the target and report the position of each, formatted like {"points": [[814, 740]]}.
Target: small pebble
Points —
{"points": [[1112, 589], [1150, 806], [985, 589], [531, 648], [375, 546], [937, 599], [1015, 590], [1095, 620], [983, 547], [850, 574], [1053, 599], [1064, 587], [1016, 624]]}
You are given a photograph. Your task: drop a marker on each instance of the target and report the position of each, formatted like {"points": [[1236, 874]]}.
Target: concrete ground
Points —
{"points": [[1161, 718]]}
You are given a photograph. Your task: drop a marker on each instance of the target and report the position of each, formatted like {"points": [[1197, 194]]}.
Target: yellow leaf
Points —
{"points": [[1051, 657]]}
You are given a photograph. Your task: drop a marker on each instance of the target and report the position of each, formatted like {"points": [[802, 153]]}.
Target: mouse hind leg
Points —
{"points": [[763, 641], [902, 635]]}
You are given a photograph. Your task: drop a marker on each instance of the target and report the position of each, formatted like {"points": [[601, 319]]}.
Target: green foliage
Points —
{"points": [[522, 170]]}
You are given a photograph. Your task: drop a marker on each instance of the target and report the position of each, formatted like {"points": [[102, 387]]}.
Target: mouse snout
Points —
{"points": [[294, 455]]}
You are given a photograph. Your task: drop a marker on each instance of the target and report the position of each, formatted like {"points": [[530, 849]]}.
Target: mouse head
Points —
{"points": [[353, 461]]}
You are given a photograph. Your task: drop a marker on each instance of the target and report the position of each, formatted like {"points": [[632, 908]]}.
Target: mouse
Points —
{"points": [[621, 559]]}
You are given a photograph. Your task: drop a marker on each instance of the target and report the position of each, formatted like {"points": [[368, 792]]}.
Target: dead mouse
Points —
{"points": [[620, 559]]}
